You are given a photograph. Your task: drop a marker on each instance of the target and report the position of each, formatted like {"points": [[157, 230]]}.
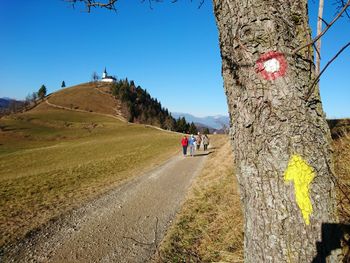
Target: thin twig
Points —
{"points": [[308, 94], [325, 30], [342, 4], [110, 4], [324, 21], [316, 50]]}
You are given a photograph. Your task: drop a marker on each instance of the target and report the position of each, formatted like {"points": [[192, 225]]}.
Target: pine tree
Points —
{"points": [[42, 92], [193, 128]]}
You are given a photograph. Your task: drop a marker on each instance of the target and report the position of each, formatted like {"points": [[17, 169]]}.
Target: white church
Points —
{"points": [[106, 78]]}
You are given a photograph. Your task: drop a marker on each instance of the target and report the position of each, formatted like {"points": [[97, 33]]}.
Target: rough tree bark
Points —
{"points": [[273, 121]]}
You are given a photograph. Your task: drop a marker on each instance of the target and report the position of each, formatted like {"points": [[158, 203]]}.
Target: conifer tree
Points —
{"points": [[42, 92]]}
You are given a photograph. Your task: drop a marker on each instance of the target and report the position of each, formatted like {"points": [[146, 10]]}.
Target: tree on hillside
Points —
{"points": [[95, 77], [42, 92], [193, 128], [27, 101], [63, 85], [278, 129], [181, 125], [34, 97], [169, 123]]}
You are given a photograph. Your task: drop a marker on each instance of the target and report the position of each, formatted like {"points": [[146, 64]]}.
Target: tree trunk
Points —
{"points": [[277, 129]]}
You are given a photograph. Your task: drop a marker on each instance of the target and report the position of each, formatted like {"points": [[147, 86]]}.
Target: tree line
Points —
{"points": [[138, 106], [30, 101]]}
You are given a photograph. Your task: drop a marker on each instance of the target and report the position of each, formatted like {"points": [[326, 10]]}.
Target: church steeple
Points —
{"points": [[106, 78]]}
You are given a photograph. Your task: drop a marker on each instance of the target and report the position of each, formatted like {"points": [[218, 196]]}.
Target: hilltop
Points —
{"points": [[90, 97], [122, 99]]}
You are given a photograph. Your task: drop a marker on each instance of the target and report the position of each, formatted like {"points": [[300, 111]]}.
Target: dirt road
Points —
{"points": [[125, 225]]}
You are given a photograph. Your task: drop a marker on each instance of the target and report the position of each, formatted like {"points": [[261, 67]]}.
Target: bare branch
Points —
{"points": [[316, 50], [324, 21], [308, 94], [341, 5], [325, 30], [108, 4]]}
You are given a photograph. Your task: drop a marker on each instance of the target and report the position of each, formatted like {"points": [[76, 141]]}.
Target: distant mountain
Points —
{"points": [[216, 122], [4, 102]]}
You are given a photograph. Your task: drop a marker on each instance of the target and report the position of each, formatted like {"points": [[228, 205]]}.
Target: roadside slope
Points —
{"points": [[209, 227]]}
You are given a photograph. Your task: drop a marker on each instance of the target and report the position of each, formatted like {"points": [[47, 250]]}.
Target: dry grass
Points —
{"points": [[52, 160], [89, 97], [209, 227], [342, 170]]}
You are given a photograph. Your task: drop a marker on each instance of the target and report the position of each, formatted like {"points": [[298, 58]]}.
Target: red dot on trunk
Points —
{"points": [[271, 65]]}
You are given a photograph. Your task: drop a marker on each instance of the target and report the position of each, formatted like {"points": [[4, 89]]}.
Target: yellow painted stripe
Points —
{"points": [[302, 174]]}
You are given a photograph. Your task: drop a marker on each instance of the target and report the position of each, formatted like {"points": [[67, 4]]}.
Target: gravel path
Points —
{"points": [[125, 225]]}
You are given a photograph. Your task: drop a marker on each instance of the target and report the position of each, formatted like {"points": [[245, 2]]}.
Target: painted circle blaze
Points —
{"points": [[271, 65]]}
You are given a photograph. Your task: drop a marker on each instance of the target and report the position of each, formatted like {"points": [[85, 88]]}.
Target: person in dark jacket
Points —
{"points": [[205, 141]]}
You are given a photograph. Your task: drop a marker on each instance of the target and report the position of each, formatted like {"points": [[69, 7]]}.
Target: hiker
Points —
{"points": [[205, 140], [198, 140], [184, 143], [192, 144]]}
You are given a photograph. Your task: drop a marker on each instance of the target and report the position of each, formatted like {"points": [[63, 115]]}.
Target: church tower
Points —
{"points": [[104, 74], [106, 78]]}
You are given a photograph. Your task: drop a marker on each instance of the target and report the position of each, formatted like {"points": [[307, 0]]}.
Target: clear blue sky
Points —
{"points": [[171, 50]]}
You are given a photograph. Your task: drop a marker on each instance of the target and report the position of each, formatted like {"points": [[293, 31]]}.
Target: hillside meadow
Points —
{"points": [[52, 160]]}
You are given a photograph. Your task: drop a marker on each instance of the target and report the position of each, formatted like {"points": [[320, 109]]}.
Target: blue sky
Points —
{"points": [[171, 50]]}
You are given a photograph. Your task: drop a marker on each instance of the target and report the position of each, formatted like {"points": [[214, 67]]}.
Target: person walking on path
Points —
{"points": [[192, 144], [198, 140], [205, 141], [184, 143]]}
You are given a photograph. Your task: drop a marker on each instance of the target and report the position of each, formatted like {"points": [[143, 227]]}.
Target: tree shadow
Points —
{"points": [[333, 237], [8, 128], [202, 153]]}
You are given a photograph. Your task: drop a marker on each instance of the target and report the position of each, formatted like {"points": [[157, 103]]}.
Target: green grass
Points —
{"points": [[52, 160]]}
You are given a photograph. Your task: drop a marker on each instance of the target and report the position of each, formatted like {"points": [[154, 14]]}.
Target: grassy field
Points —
{"points": [[209, 228], [52, 160]]}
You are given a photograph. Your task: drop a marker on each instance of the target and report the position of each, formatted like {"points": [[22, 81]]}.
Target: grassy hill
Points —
{"points": [[54, 159], [91, 97]]}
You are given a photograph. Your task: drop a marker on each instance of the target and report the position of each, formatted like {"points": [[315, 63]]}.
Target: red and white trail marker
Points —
{"points": [[271, 65]]}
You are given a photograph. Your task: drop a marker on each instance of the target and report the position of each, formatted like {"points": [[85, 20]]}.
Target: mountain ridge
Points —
{"points": [[215, 122]]}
